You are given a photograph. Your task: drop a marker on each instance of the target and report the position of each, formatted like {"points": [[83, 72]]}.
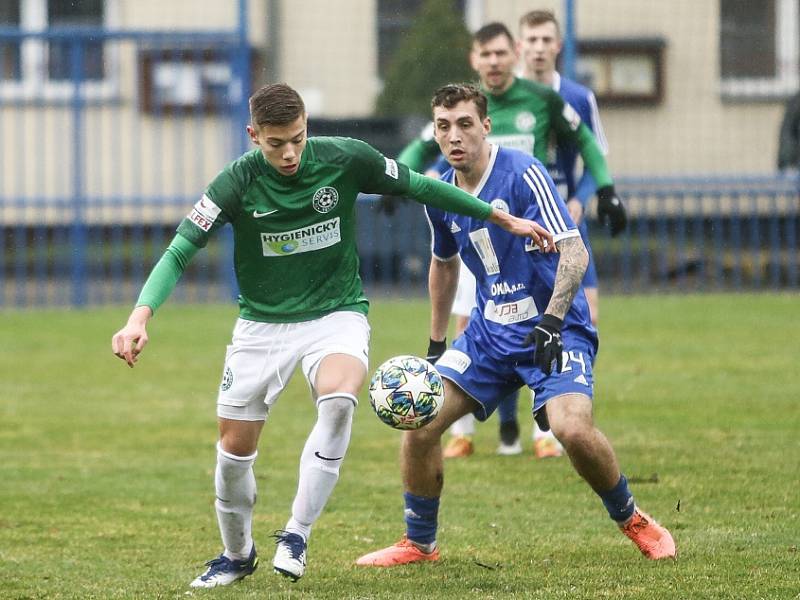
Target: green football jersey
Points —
{"points": [[295, 254], [530, 117]]}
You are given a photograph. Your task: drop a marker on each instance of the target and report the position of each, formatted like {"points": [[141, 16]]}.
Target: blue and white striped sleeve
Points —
{"points": [[544, 205]]}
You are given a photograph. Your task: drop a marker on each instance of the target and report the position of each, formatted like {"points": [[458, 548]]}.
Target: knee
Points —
{"points": [[422, 440], [571, 425], [336, 409]]}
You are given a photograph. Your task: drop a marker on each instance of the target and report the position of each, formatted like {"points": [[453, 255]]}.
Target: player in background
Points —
{"points": [[531, 117], [532, 327], [539, 45], [291, 204]]}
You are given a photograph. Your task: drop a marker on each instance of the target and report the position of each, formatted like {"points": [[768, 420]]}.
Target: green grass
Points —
{"points": [[106, 474]]}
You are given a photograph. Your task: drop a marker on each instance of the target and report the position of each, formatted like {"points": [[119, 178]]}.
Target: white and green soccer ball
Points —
{"points": [[406, 392]]}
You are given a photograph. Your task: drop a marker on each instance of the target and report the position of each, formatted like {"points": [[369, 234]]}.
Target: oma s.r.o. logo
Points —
{"points": [[325, 199]]}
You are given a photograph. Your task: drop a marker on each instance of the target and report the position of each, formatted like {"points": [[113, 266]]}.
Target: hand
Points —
{"points": [[524, 228], [129, 341], [435, 350], [575, 209], [548, 347], [611, 209], [388, 204]]}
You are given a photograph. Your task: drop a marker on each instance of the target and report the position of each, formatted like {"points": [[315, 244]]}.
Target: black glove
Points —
{"points": [[388, 204], [435, 350], [611, 209], [548, 347]]}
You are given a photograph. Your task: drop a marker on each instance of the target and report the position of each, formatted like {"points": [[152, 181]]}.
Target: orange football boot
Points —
{"points": [[653, 540], [401, 553]]}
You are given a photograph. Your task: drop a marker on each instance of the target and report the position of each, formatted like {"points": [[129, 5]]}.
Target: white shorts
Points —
{"points": [[464, 301], [262, 357]]}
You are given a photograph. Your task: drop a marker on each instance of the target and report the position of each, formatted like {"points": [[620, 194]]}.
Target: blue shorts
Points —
{"points": [[489, 380], [590, 277]]}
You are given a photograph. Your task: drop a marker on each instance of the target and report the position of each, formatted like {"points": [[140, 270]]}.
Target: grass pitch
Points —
{"points": [[106, 475]]}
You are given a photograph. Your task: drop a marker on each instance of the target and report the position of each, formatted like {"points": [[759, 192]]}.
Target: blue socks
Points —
{"points": [[618, 501], [421, 518]]}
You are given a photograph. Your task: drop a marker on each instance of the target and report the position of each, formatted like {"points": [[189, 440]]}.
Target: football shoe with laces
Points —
{"points": [[224, 571], [652, 539], [290, 554]]}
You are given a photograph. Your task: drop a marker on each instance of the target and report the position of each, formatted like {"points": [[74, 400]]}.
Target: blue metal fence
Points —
{"points": [[98, 168], [684, 234]]}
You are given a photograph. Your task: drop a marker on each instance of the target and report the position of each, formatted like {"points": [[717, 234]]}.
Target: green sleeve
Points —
{"points": [[593, 156], [418, 154], [165, 274], [571, 130], [446, 197]]}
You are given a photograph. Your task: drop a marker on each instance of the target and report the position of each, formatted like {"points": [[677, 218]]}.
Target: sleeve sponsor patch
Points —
{"points": [[204, 213], [572, 117], [391, 168]]}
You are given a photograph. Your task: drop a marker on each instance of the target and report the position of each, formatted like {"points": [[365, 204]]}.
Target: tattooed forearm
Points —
{"points": [[572, 263]]}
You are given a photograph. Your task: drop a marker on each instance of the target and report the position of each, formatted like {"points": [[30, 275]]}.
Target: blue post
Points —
{"points": [[78, 229], [241, 117], [569, 51]]}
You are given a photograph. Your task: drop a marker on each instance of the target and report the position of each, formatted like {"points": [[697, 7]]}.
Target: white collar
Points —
{"points": [[492, 158]]}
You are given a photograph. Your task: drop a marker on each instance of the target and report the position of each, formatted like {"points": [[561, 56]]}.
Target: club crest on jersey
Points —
{"points": [[525, 121], [325, 199], [500, 205], [227, 380]]}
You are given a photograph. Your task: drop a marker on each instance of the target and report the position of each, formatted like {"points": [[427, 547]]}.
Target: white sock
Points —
{"points": [[322, 456], [463, 426], [538, 434], [235, 485]]}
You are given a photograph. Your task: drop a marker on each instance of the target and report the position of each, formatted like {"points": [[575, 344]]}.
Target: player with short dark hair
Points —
{"points": [[531, 327], [531, 117], [291, 204]]}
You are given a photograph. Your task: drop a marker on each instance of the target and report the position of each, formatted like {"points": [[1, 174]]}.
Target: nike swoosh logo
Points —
{"points": [[318, 455], [258, 215]]}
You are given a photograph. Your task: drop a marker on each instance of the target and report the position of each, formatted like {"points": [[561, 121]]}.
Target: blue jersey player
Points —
{"points": [[532, 327], [539, 45]]}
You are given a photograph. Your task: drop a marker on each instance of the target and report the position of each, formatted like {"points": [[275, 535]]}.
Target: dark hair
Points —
{"points": [[491, 31], [275, 104], [539, 17], [451, 94]]}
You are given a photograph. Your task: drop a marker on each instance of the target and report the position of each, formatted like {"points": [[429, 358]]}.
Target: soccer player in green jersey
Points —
{"points": [[528, 116], [291, 204]]}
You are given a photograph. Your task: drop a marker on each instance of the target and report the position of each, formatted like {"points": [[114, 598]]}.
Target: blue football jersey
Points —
{"points": [[514, 279], [564, 169]]}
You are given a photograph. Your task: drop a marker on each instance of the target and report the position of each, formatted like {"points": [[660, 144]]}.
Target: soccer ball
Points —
{"points": [[406, 392]]}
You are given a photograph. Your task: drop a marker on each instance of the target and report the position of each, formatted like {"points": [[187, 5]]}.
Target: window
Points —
{"points": [[88, 13], [395, 18], [39, 67], [9, 50], [759, 49]]}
